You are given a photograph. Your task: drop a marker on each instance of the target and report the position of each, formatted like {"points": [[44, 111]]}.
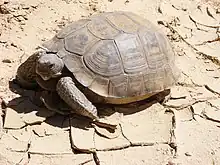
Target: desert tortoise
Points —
{"points": [[113, 57]]}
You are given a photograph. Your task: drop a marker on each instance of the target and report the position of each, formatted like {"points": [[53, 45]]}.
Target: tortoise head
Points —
{"points": [[49, 66]]}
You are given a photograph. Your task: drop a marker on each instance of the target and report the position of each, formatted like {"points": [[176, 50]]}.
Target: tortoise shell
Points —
{"points": [[116, 55]]}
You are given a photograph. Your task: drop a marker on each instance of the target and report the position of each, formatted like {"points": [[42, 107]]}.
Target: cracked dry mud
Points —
{"points": [[185, 130]]}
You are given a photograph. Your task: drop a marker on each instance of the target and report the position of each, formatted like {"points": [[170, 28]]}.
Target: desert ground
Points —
{"points": [[185, 130]]}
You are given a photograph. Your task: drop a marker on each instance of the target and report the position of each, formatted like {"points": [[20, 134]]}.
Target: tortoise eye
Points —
{"points": [[51, 65]]}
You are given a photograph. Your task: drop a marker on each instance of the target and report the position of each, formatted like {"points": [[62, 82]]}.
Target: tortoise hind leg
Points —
{"points": [[75, 98]]}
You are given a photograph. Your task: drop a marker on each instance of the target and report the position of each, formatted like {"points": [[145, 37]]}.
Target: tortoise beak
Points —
{"points": [[45, 78], [57, 75]]}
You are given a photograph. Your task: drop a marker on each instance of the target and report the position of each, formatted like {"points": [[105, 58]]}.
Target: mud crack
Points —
{"points": [[211, 90], [192, 102], [214, 60], [198, 23], [205, 116], [88, 161]]}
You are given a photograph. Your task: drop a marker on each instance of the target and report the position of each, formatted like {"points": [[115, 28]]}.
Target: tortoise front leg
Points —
{"points": [[75, 98]]}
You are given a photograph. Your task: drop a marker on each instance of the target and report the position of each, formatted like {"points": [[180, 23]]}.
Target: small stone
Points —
{"points": [[188, 154], [171, 163], [6, 61], [213, 152]]}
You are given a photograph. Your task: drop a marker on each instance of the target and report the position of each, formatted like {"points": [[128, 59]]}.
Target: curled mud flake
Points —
{"points": [[178, 8], [6, 61], [159, 10], [126, 2], [212, 89], [209, 13], [196, 22], [209, 41], [107, 133], [187, 103], [188, 154], [209, 117]]}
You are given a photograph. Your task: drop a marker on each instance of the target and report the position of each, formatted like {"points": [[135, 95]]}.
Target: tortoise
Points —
{"points": [[111, 58]]}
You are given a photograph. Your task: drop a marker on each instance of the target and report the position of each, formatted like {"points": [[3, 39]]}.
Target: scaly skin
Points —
{"points": [[75, 98], [26, 75]]}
